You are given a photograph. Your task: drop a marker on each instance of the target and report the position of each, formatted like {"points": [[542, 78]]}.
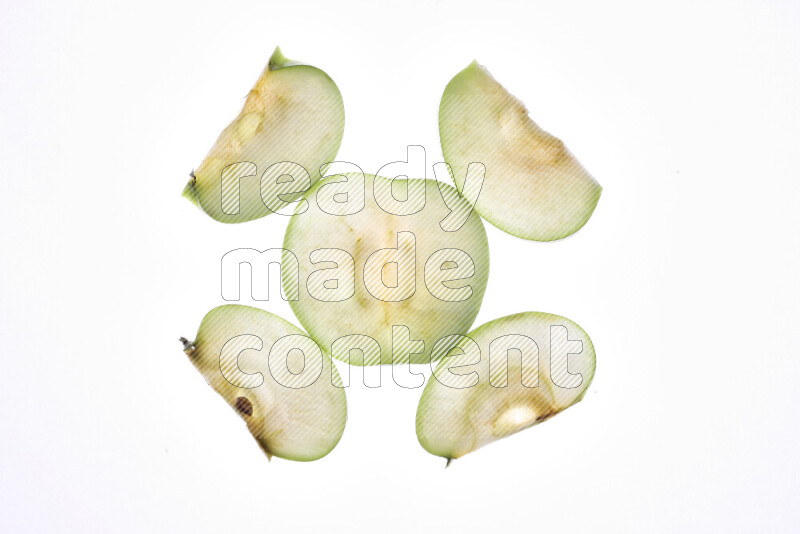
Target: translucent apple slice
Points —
{"points": [[534, 187], [376, 272], [505, 376], [291, 126], [278, 380]]}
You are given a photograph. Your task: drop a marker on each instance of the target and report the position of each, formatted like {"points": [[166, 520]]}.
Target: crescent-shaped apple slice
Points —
{"points": [[505, 376], [534, 187], [290, 127], [275, 377]]}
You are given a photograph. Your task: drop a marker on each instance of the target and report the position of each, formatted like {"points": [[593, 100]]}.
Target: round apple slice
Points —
{"points": [[290, 127], [505, 376], [380, 280], [533, 187], [275, 377]]}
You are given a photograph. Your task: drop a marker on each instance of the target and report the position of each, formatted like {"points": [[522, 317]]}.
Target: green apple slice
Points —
{"points": [[410, 275], [275, 377], [290, 127], [534, 187], [505, 376]]}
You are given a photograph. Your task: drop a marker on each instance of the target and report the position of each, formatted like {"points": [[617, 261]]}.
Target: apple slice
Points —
{"points": [[534, 188], [275, 377], [411, 272], [505, 376], [291, 125]]}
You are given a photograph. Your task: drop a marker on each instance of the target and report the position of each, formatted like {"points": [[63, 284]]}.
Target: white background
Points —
{"points": [[686, 277]]}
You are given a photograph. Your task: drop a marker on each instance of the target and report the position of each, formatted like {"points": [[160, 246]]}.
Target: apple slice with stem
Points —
{"points": [[381, 281], [505, 376], [275, 377], [291, 125], [534, 188]]}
